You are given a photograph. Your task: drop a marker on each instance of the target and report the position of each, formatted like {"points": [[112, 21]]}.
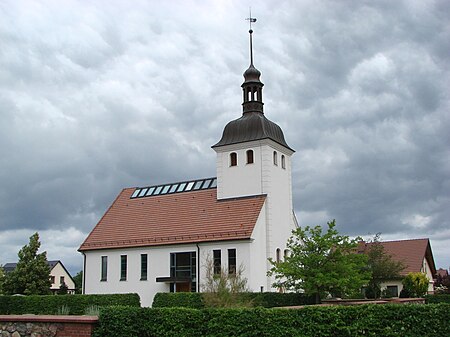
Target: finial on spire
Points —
{"points": [[250, 21]]}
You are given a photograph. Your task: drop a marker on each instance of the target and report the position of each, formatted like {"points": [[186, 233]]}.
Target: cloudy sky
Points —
{"points": [[96, 96]]}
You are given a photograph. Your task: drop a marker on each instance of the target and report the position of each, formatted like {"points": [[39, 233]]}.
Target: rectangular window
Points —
{"points": [[104, 276], [392, 291], [123, 267], [217, 261], [144, 260], [183, 269], [61, 280], [232, 261]]}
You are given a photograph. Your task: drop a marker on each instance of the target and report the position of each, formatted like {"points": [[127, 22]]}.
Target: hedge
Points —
{"points": [[437, 298], [368, 320], [50, 304], [266, 300]]}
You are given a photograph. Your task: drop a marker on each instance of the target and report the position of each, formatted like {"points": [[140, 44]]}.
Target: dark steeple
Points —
{"points": [[253, 125]]}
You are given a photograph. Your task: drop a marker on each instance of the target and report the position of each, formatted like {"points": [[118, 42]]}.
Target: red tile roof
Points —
{"points": [[410, 252], [187, 217]]}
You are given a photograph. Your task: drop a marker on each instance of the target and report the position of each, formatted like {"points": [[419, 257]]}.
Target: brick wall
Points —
{"points": [[45, 325]]}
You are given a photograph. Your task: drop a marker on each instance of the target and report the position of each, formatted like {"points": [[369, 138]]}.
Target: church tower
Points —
{"points": [[253, 158]]}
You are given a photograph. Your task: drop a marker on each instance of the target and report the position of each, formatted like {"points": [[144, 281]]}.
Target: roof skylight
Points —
{"points": [[193, 185]]}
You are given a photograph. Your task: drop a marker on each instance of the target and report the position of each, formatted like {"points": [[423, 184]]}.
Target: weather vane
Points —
{"points": [[251, 20]]}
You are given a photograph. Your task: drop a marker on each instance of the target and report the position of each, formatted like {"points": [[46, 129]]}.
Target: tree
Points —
{"points": [[78, 279], [382, 267], [321, 263], [442, 284], [2, 277], [415, 285], [63, 289], [222, 289], [31, 276]]}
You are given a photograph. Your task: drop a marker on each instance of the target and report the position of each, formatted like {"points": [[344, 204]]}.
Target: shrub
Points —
{"points": [[367, 320], [51, 304], [415, 284], [185, 300], [437, 298], [267, 300]]}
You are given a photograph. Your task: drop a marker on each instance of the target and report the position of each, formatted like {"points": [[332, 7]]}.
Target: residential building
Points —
{"points": [[58, 275], [415, 254]]}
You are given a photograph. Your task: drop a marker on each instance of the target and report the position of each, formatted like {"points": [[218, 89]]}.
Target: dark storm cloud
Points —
{"points": [[95, 97]]}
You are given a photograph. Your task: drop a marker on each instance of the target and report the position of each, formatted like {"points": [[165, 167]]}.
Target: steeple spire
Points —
{"points": [[252, 86]]}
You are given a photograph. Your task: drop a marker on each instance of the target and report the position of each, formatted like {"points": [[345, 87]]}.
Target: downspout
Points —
{"points": [[198, 267], [84, 274]]}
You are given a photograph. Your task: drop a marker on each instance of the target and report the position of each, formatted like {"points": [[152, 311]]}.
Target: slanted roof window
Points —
{"points": [[181, 187], [150, 191], [173, 188], [198, 184], [165, 189], [143, 191], [136, 192], [189, 186], [158, 190], [206, 184], [213, 184]]}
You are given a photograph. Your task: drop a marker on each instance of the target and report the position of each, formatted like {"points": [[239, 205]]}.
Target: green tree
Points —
{"points": [[382, 267], [415, 285], [63, 289], [31, 276], [78, 279], [321, 263], [2, 277]]}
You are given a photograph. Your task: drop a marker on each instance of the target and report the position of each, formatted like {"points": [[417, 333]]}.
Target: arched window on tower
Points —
{"points": [[283, 161], [275, 158], [286, 253], [278, 254], [250, 159], [233, 159]]}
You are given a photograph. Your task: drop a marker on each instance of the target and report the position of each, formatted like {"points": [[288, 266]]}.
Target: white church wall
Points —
{"points": [[159, 266]]}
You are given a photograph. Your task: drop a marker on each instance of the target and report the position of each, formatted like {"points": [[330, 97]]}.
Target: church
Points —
{"points": [[159, 238]]}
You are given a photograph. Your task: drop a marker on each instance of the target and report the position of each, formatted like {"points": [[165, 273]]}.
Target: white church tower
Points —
{"points": [[253, 158]]}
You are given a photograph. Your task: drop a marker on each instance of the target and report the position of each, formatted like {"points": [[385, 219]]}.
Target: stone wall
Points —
{"points": [[46, 326]]}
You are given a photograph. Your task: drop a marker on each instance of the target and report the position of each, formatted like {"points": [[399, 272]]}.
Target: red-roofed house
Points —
{"points": [[415, 254], [158, 238]]}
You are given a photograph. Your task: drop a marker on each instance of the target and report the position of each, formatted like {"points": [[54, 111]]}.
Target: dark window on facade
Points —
{"points": [[392, 291], [183, 267], [123, 267], [286, 253], [144, 262], [275, 158], [232, 261], [250, 159], [52, 279], [233, 159], [61, 280], [104, 275], [283, 161], [278, 254], [217, 260]]}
